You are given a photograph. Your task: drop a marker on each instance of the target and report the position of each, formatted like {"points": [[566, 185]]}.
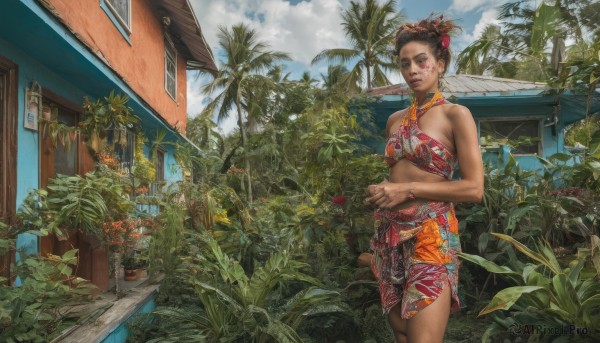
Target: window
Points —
{"points": [[123, 143], [119, 12], [160, 165], [122, 10], [525, 133], [170, 69], [64, 159]]}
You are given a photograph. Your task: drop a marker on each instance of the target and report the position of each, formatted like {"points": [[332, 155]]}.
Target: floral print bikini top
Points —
{"points": [[418, 147]]}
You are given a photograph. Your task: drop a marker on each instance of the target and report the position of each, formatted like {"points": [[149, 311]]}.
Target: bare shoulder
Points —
{"points": [[458, 113], [396, 115], [393, 118]]}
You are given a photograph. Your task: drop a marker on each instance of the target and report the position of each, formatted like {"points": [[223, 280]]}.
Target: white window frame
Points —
{"points": [[170, 54], [540, 136], [121, 20]]}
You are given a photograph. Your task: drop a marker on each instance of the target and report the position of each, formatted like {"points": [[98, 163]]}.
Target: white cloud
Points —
{"points": [[487, 17], [194, 95], [463, 6], [302, 30]]}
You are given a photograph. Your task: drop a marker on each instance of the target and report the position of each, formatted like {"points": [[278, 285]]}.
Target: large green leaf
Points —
{"points": [[507, 297], [546, 24], [565, 295], [488, 265], [588, 312], [553, 265]]}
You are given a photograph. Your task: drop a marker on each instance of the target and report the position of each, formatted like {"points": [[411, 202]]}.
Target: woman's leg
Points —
{"points": [[429, 324], [398, 324]]}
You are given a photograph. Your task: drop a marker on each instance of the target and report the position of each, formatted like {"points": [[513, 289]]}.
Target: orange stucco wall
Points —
{"points": [[140, 64]]}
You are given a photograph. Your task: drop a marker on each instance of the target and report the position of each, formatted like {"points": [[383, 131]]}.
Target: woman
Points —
{"points": [[416, 242]]}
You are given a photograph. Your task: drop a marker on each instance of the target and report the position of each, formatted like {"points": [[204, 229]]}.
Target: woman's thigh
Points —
{"points": [[429, 324]]}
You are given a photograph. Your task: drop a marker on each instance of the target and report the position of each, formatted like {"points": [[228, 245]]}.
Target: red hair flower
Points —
{"points": [[445, 41]]}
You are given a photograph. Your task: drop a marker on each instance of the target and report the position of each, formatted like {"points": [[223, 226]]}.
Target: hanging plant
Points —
{"points": [[57, 131], [101, 116], [98, 118]]}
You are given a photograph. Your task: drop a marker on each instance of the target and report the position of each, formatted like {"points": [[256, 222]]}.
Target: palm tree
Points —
{"points": [[307, 79], [246, 58], [520, 46], [332, 88], [485, 56], [370, 27]]}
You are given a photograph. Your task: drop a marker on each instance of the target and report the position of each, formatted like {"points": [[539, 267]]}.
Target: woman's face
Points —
{"points": [[420, 69]]}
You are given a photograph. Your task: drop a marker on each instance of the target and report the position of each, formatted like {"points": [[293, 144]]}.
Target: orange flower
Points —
{"points": [[122, 232]]}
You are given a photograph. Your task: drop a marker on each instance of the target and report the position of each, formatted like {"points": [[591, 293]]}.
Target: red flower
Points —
{"points": [[339, 200], [445, 41]]}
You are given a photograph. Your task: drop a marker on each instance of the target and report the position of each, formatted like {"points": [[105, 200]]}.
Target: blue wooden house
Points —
{"points": [[53, 53], [504, 111]]}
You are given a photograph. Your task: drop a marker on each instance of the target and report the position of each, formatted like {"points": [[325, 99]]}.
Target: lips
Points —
{"points": [[414, 82]]}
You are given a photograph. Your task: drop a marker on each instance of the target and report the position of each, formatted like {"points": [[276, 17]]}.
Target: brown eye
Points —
{"points": [[404, 64]]}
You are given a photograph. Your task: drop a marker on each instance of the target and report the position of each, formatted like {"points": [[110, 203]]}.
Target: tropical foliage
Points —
{"points": [[546, 294], [41, 306], [530, 41], [246, 59], [259, 241]]}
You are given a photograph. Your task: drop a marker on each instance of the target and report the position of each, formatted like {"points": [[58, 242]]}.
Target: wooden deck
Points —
{"points": [[107, 314]]}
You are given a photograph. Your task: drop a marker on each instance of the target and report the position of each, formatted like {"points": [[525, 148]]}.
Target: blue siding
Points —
{"points": [[28, 141], [173, 171], [49, 54]]}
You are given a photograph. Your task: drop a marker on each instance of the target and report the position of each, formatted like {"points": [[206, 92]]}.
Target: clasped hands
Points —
{"points": [[388, 194]]}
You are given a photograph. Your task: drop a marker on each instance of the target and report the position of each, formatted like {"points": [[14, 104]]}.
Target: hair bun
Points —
{"points": [[434, 27]]}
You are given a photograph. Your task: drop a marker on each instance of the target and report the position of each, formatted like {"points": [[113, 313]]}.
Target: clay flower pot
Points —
{"points": [[130, 275], [142, 273]]}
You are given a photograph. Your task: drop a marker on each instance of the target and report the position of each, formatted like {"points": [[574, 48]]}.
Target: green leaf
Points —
{"points": [[595, 147], [525, 250], [70, 255], [516, 214], [488, 265], [545, 25], [504, 299], [588, 308], [565, 295]]}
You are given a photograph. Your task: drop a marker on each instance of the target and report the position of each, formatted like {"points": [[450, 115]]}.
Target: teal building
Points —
{"points": [[504, 111]]}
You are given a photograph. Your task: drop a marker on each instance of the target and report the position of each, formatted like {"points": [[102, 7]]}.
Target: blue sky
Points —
{"points": [[303, 28]]}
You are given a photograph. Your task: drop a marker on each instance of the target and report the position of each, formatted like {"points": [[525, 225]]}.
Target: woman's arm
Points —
{"points": [[468, 189]]}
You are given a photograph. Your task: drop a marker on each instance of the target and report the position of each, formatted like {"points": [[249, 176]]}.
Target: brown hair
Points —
{"points": [[434, 31]]}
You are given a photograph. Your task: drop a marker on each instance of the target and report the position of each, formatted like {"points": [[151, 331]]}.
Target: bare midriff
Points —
{"points": [[405, 171]]}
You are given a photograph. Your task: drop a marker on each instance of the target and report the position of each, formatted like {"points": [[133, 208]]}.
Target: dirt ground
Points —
{"points": [[465, 328]]}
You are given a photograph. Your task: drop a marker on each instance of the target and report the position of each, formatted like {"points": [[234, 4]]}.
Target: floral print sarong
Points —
{"points": [[414, 256]]}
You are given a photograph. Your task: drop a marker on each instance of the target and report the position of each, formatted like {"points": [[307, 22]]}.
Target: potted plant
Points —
{"points": [[142, 264], [130, 265], [122, 236]]}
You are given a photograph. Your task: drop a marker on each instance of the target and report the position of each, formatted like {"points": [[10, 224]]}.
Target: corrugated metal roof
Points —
{"points": [[463, 84], [187, 35]]}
